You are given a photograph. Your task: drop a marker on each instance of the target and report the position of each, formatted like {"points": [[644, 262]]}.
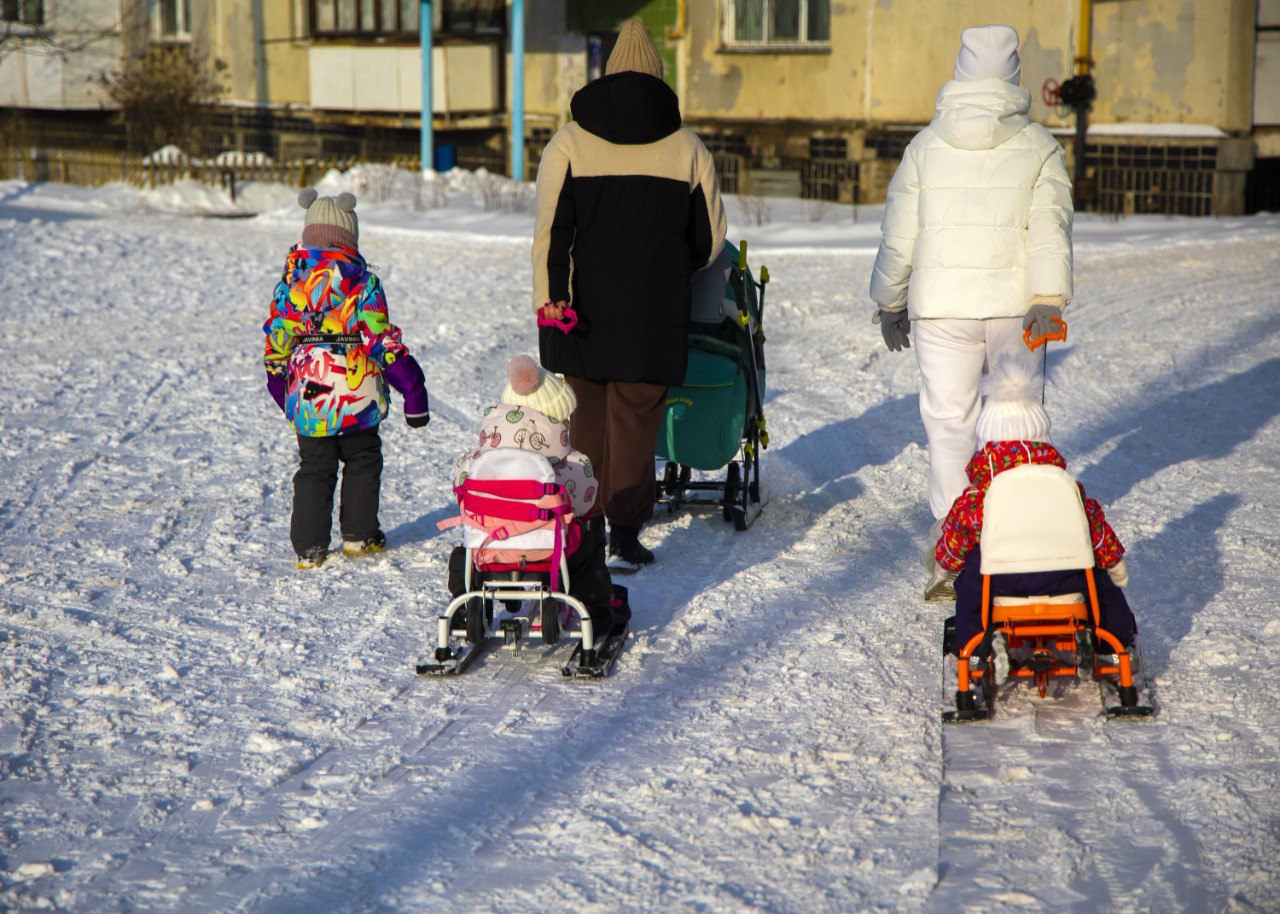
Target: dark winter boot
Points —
{"points": [[313, 557], [375, 543], [601, 622], [621, 609], [624, 543]]}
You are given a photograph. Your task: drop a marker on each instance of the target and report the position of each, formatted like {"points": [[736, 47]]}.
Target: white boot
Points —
{"points": [[926, 556], [1000, 658], [941, 587]]}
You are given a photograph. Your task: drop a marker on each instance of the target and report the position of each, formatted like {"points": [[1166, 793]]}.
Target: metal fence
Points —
{"points": [[1166, 179], [96, 168]]}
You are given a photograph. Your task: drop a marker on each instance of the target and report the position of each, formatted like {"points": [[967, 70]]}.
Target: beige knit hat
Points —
{"points": [[1012, 410], [528, 384], [635, 51], [331, 221]]}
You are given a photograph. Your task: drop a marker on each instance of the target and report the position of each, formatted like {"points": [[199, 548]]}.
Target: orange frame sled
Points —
{"points": [[1046, 626]]}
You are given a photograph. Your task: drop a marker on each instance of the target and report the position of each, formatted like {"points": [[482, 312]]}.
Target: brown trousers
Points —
{"points": [[616, 425]]}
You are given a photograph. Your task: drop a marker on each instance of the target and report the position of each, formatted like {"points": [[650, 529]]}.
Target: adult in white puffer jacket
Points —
{"points": [[977, 244]]}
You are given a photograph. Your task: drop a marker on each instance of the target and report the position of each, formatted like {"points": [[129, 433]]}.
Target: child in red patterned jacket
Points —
{"points": [[1014, 429]]}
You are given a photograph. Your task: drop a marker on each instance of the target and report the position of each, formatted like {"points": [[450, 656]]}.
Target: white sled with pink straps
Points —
{"points": [[518, 529]]}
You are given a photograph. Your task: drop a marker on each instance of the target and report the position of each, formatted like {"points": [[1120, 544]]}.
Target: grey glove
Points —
{"points": [[894, 327], [1040, 317]]}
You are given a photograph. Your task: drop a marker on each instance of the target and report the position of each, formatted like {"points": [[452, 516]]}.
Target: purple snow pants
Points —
{"points": [[1113, 608]]}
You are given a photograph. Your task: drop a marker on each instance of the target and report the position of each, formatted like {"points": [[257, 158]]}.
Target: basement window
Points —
{"points": [[777, 24]]}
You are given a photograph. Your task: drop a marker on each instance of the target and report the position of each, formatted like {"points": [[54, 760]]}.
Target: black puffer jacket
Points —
{"points": [[628, 207]]}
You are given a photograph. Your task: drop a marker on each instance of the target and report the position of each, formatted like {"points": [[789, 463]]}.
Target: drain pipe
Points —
{"points": [[426, 140], [1084, 73], [517, 90]]}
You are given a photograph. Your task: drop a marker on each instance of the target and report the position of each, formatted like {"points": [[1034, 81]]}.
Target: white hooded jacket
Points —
{"points": [[978, 216]]}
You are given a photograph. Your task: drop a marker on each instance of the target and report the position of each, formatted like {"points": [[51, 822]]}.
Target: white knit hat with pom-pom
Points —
{"points": [[331, 221], [1012, 409], [528, 384]]}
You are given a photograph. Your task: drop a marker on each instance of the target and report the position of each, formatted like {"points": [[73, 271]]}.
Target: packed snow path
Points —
{"points": [[188, 723]]}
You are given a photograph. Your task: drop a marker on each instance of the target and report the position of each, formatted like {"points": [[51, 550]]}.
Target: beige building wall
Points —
{"points": [[264, 43], [1175, 61], [1158, 61]]}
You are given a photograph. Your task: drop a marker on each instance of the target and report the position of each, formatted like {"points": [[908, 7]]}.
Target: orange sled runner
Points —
{"points": [[1034, 520]]}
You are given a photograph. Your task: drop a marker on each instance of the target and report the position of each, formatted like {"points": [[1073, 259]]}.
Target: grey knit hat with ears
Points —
{"points": [[331, 221]]}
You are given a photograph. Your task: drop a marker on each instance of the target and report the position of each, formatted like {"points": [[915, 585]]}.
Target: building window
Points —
{"points": [[399, 18], [171, 19], [28, 12], [465, 16], [771, 23], [364, 18]]}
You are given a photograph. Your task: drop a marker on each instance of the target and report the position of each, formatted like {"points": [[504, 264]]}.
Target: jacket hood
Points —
{"points": [[628, 108], [999, 456], [980, 114]]}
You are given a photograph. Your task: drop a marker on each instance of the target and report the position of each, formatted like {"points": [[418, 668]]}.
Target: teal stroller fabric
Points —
{"points": [[709, 415]]}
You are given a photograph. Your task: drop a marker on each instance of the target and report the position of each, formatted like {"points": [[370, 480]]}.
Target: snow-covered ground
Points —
{"points": [[188, 723]]}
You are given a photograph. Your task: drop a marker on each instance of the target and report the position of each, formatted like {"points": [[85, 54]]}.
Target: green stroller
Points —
{"points": [[714, 421]]}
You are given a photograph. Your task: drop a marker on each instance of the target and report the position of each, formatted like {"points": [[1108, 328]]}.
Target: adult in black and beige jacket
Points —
{"points": [[628, 208]]}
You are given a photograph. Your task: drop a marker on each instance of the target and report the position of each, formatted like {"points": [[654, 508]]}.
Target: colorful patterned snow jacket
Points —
{"points": [[332, 389], [962, 529], [523, 427]]}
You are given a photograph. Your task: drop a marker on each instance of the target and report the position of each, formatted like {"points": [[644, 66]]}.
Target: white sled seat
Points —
{"points": [[1060, 599], [512, 463], [1034, 520]]}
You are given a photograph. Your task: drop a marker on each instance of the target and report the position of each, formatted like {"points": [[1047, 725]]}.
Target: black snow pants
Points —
{"points": [[589, 578], [360, 454]]}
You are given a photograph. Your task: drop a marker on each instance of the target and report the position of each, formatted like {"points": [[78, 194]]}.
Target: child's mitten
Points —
{"points": [[1119, 574], [278, 387], [405, 375]]}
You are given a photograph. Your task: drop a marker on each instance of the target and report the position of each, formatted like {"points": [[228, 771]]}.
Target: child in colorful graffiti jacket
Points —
{"points": [[1014, 429], [330, 352]]}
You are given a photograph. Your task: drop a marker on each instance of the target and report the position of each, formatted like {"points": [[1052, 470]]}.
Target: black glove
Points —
{"points": [[894, 327], [418, 421]]}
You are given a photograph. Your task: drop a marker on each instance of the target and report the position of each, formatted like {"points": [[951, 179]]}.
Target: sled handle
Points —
{"points": [[1058, 335], [564, 325]]}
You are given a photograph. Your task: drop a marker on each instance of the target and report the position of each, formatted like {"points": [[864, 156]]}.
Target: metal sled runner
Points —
{"points": [[483, 625], [1034, 520], [715, 420]]}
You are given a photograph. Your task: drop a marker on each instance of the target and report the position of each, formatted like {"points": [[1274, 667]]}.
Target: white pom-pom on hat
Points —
{"points": [[346, 201], [529, 385], [307, 197], [1012, 410]]}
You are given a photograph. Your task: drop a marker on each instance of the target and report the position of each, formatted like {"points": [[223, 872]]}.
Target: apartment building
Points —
{"points": [[799, 97]]}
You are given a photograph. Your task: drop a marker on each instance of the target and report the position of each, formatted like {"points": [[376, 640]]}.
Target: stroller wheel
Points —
{"points": [[550, 610], [476, 627], [732, 483]]}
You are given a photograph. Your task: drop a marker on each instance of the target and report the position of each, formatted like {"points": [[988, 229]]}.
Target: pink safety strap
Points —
{"points": [[509, 488], [509, 510]]}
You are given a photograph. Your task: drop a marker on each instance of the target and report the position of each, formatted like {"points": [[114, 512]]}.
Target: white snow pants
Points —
{"points": [[953, 355]]}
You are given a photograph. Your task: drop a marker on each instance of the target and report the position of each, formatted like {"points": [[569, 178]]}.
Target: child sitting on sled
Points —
{"points": [[1014, 429], [533, 414]]}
